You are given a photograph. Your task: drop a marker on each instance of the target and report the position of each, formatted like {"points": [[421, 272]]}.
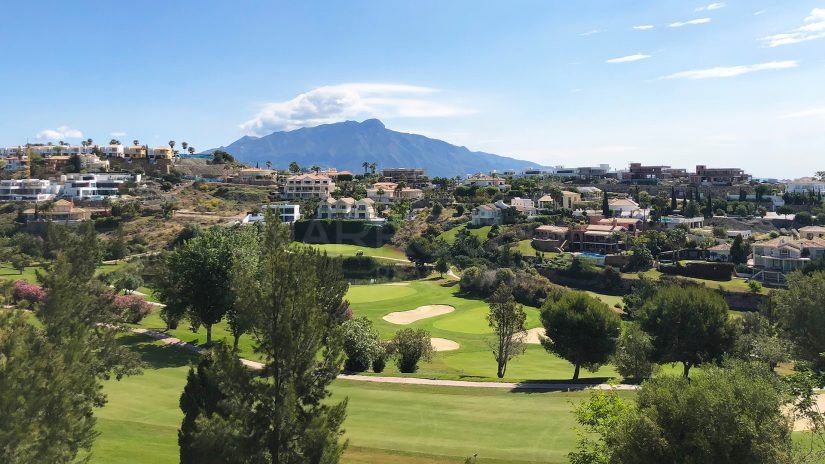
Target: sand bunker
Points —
{"points": [[398, 284], [421, 312], [442, 344], [801, 424], [532, 336]]}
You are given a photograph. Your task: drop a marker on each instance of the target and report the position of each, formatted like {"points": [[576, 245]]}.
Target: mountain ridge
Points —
{"points": [[346, 145]]}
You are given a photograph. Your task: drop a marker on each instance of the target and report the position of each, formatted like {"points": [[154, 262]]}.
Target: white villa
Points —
{"points": [[489, 214], [483, 180], [305, 186], [34, 190], [784, 254], [348, 208]]}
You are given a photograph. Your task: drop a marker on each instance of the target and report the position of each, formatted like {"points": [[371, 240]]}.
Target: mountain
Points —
{"points": [[346, 145]]}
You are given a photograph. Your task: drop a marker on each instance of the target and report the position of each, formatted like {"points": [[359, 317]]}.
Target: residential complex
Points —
{"points": [[348, 208], [410, 176], [483, 180], [306, 186], [92, 186], [388, 192], [718, 176]]}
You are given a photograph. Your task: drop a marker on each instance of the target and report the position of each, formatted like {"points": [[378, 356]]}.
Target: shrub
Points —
{"points": [[380, 360], [132, 308], [343, 231], [409, 346], [29, 292], [709, 271], [361, 342]]}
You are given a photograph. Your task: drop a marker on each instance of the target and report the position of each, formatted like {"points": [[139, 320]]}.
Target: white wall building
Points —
{"points": [[287, 213], [306, 186], [347, 208], [34, 190], [95, 186], [805, 185]]}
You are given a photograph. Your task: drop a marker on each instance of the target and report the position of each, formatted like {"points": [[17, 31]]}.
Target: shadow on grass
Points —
{"points": [[543, 386], [158, 356], [451, 283]]}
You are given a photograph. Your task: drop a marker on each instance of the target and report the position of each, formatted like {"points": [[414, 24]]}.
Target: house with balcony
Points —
{"points": [[550, 238], [597, 238], [491, 214], [569, 200], [287, 213], [348, 208], [671, 222], [622, 207], [96, 186], [774, 258], [306, 186], [805, 185], [255, 176], [483, 180], [388, 192], [524, 206], [719, 253], [62, 211]]}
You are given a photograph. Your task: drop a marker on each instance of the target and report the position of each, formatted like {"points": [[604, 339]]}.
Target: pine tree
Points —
{"points": [[282, 415]]}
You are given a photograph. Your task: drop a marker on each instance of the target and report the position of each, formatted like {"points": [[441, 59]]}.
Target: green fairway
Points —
{"points": [[480, 232], [385, 422], [467, 325], [9, 273], [337, 249]]}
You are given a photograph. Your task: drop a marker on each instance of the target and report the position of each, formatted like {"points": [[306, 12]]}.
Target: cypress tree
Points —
{"points": [[605, 205], [673, 204]]}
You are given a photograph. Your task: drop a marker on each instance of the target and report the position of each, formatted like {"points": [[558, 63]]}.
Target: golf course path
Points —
{"points": [[530, 385]]}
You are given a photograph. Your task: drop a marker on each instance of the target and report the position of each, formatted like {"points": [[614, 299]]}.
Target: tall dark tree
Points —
{"points": [[688, 325], [801, 311], [51, 374], [580, 329], [283, 415], [739, 250], [605, 205], [709, 205], [673, 204]]}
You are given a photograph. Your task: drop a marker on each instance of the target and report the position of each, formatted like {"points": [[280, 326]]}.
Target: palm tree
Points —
{"points": [[136, 142], [61, 143], [315, 169], [372, 168], [293, 167], [113, 142], [191, 150], [269, 164], [399, 188], [89, 142], [184, 145], [172, 145], [366, 165]]}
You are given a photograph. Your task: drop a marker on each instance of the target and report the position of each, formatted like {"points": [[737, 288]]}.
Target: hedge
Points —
{"points": [[709, 271], [349, 232]]}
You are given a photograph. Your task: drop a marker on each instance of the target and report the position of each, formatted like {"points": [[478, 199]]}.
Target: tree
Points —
{"points": [[172, 144], [759, 340], [117, 247], [408, 346], [673, 204], [580, 329], [294, 167], [366, 166], [739, 250], [641, 259], [726, 415], [641, 291], [688, 325], [198, 281], [282, 415], [20, 262], [442, 266], [51, 375], [506, 318], [421, 252], [361, 344], [801, 312], [605, 205], [633, 352], [709, 206]]}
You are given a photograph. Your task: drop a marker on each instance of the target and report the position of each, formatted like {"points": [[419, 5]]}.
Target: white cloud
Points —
{"points": [[711, 7], [732, 71], [62, 132], [644, 27], [689, 23], [119, 134], [628, 58], [812, 29], [335, 103], [816, 112], [593, 32], [760, 12]]}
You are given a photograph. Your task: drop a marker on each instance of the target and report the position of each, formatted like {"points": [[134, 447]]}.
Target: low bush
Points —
{"points": [[343, 231], [708, 271], [408, 347], [132, 308], [29, 292], [361, 344]]}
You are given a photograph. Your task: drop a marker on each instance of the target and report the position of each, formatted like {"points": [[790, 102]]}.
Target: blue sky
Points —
{"points": [[734, 83]]}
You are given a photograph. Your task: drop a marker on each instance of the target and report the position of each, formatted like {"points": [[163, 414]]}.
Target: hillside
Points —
{"points": [[346, 145]]}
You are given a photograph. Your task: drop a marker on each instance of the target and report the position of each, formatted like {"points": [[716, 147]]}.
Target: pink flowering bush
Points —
{"points": [[27, 291], [132, 308]]}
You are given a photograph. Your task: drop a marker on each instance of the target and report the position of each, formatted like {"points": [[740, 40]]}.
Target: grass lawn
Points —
{"points": [[386, 251], [9, 273], [480, 232], [386, 423], [733, 285]]}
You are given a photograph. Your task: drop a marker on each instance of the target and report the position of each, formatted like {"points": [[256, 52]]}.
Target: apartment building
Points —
{"points": [[347, 208], [805, 185], [718, 176], [410, 176], [388, 192], [306, 186], [30, 190]]}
